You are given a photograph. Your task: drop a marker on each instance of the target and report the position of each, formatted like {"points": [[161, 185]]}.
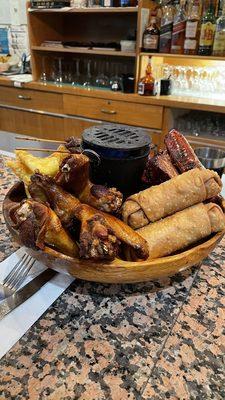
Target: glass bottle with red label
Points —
{"points": [[166, 29], [179, 26], [208, 28], [192, 27], [151, 36]]}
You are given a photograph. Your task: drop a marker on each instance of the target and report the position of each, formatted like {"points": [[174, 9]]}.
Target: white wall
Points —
{"points": [[13, 17]]}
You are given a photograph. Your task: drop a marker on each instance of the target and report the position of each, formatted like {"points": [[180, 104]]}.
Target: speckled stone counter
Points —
{"points": [[151, 341]]}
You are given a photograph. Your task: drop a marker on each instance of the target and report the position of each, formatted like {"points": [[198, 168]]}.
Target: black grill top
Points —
{"points": [[118, 137]]}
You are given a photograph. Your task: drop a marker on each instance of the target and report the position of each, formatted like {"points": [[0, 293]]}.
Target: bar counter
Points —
{"points": [[150, 341], [172, 101]]}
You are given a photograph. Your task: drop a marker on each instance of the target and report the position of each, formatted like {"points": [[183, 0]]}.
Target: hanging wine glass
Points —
{"points": [[67, 72], [102, 80], [88, 79], [43, 76], [58, 73], [77, 75], [115, 80], [94, 72]]}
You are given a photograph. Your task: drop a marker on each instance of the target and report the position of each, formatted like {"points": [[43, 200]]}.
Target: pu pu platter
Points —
{"points": [[107, 203]]}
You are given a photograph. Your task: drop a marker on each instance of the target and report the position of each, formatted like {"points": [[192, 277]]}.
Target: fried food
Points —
{"points": [[159, 169], [24, 164], [182, 229], [39, 226], [181, 153], [45, 165], [73, 144], [20, 170], [178, 193], [100, 233], [74, 178]]}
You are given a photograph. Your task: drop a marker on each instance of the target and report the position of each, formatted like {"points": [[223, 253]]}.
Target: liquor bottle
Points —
{"points": [[175, 5], [166, 30], [151, 37], [219, 41], [208, 27], [146, 86], [124, 3], [192, 27], [179, 25], [107, 3], [218, 8]]}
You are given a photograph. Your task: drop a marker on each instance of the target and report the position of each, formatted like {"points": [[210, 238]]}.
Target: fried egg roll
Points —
{"points": [[180, 192], [182, 229]]}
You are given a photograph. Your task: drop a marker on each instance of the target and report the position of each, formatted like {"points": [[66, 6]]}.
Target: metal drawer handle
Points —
{"points": [[21, 97], [108, 111]]}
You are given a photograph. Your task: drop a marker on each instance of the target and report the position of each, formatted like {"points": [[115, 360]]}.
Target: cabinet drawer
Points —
{"points": [[31, 99], [32, 124], [148, 116]]}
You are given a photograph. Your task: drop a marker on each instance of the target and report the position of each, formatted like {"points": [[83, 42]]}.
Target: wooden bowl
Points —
{"points": [[117, 271]]}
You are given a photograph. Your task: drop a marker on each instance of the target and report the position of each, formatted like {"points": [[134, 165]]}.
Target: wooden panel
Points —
{"points": [[43, 27], [26, 123], [168, 124], [32, 99], [74, 50], [75, 127], [206, 142], [107, 28], [104, 10], [89, 107], [139, 115], [155, 136], [114, 111]]}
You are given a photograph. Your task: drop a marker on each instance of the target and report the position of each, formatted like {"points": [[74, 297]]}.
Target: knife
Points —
{"points": [[13, 301]]}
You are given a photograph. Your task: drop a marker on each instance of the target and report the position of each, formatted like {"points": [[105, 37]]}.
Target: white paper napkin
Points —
{"points": [[14, 325]]}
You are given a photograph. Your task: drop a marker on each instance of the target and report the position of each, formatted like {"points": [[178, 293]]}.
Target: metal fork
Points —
{"points": [[16, 276]]}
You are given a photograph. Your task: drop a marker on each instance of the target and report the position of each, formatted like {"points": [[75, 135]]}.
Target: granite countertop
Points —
{"points": [[151, 341]]}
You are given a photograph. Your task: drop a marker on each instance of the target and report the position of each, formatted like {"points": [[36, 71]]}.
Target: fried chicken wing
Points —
{"points": [[39, 226], [97, 239], [101, 233], [73, 144], [74, 178]]}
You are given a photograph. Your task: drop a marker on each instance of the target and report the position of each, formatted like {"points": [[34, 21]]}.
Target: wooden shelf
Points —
{"points": [[202, 141], [203, 138], [175, 102], [83, 51], [95, 10], [182, 56]]}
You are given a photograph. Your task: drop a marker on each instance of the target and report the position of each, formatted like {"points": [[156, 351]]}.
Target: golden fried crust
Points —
{"points": [[47, 165], [39, 226], [67, 207], [185, 190], [74, 178], [20, 170]]}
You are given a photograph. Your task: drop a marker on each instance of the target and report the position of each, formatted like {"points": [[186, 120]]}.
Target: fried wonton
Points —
{"points": [[45, 165]]}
